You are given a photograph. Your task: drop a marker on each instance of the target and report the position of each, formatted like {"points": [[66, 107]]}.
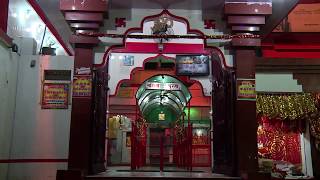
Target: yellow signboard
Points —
{"points": [[82, 86], [246, 89]]}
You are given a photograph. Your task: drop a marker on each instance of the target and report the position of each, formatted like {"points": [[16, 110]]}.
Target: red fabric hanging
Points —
{"points": [[277, 141]]}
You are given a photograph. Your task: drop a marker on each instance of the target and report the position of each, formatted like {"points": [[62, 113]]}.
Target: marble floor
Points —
{"points": [[124, 172]]}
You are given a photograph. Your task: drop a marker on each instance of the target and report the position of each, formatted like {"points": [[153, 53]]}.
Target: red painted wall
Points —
{"points": [[4, 4]]}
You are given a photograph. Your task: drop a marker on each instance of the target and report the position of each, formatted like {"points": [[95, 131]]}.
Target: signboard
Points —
{"points": [[57, 75], [303, 18], [55, 96], [153, 85], [172, 86], [246, 89], [82, 86], [163, 86]]}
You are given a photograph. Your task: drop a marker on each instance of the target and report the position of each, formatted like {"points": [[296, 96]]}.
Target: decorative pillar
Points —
{"points": [[245, 115], [80, 141], [82, 105], [86, 143]]}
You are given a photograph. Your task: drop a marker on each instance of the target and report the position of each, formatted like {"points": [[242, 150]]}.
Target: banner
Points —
{"points": [[246, 89], [82, 86], [55, 96]]}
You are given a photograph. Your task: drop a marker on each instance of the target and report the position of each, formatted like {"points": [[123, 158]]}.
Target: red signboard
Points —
{"points": [[55, 96]]}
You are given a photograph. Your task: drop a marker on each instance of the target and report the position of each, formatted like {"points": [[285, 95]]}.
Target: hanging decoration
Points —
{"points": [[273, 143], [170, 36], [315, 123], [209, 24], [277, 109], [286, 107], [120, 22], [141, 125], [179, 130]]}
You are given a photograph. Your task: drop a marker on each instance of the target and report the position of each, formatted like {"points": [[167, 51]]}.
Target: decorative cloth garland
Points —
{"points": [[286, 107]]}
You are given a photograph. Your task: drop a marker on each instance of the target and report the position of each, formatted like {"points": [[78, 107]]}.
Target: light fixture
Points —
{"points": [[199, 132]]}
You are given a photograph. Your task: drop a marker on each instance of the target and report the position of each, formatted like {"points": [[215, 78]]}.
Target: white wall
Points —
{"points": [[277, 82], [195, 18], [8, 83], [38, 133]]}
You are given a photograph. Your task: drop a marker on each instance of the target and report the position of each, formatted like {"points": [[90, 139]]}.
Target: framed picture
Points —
{"points": [[192, 65], [162, 117], [128, 60]]}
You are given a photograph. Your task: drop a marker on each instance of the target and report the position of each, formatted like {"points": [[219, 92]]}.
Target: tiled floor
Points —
{"points": [[153, 173]]}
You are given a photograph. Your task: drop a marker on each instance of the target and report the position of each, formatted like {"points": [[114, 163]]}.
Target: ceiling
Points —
{"points": [[51, 8], [167, 4], [53, 13], [23, 21]]}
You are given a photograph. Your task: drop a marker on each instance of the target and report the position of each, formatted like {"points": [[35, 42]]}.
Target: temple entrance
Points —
{"points": [[162, 124], [163, 103]]}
